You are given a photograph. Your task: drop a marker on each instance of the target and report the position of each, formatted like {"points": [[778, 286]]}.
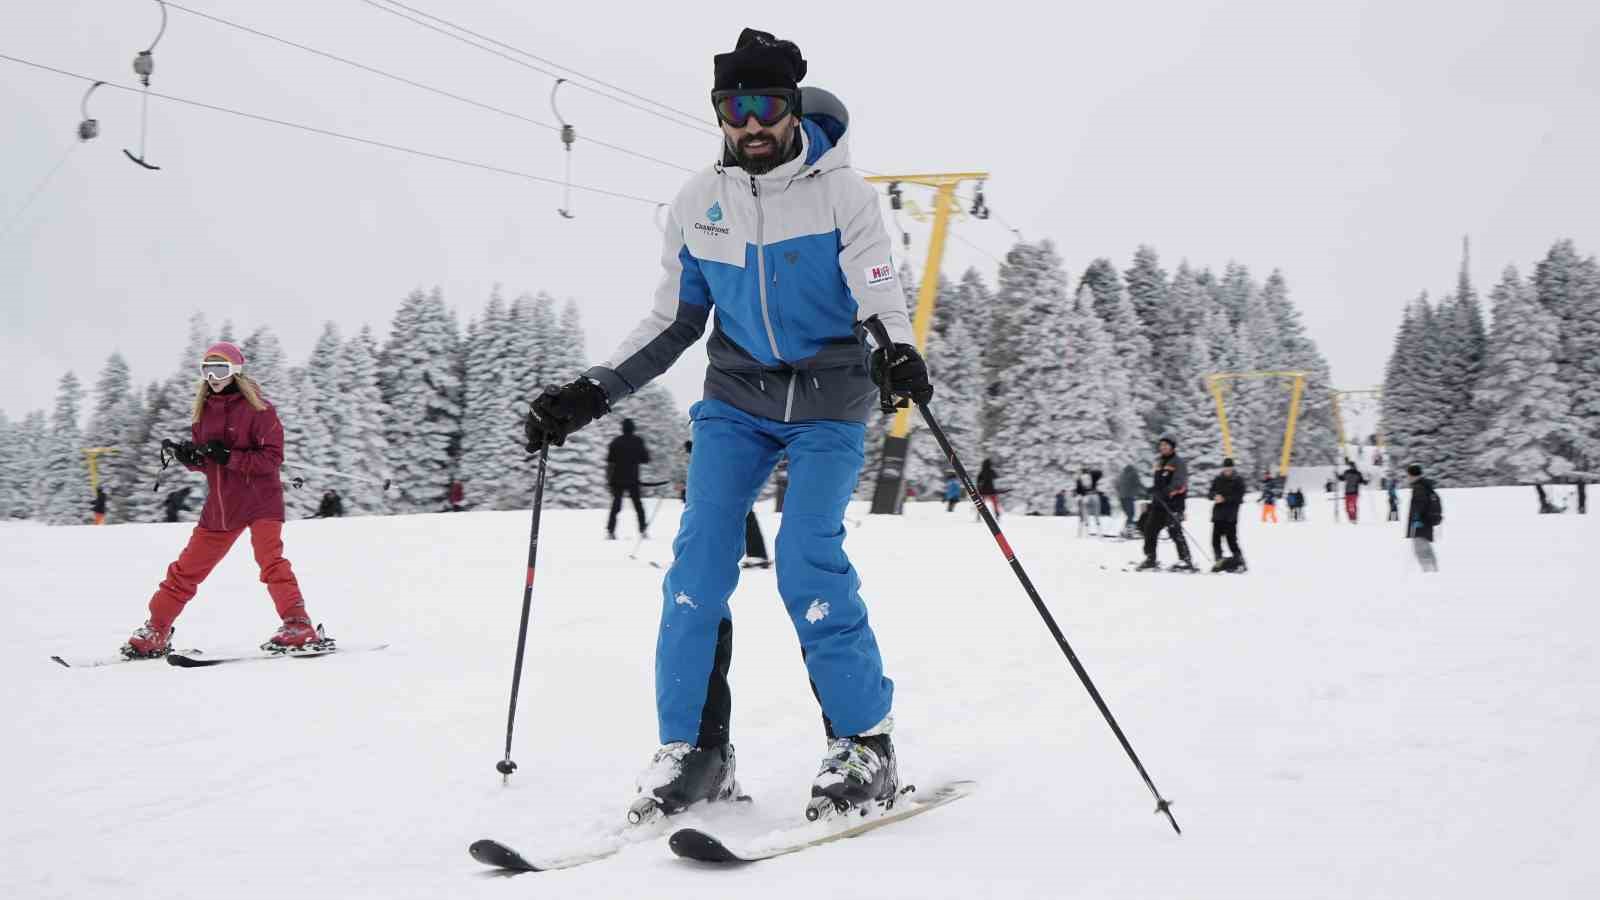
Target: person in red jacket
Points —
{"points": [[237, 441]]}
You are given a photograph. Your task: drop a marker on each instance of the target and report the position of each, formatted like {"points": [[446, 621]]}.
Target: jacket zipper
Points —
{"points": [[788, 405], [761, 269]]}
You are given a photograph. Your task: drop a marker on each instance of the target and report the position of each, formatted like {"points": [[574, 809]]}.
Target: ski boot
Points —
{"points": [[859, 773], [680, 774], [149, 642], [1183, 565], [1149, 565], [296, 635]]}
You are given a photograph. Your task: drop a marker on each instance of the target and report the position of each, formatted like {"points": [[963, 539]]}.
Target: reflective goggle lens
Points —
{"points": [[736, 109], [217, 370]]}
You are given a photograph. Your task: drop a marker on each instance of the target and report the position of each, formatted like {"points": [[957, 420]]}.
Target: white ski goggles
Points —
{"points": [[218, 369]]}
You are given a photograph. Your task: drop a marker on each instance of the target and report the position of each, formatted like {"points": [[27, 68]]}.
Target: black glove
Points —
{"points": [[216, 452], [559, 411], [187, 453], [906, 373]]}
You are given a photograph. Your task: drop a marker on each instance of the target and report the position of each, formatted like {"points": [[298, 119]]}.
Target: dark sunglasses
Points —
{"points": [[734, 108]]}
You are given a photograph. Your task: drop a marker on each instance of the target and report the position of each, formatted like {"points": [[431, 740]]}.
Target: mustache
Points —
{"points": [[748, 139]]}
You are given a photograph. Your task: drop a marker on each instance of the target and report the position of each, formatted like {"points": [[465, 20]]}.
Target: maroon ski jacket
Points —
{"points": [[247, 488]]}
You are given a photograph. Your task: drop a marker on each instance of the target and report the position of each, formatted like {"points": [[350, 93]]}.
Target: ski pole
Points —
{"points": [[1192, 539], [337, 474], [647, 523], [888, 403], [505, 766]]}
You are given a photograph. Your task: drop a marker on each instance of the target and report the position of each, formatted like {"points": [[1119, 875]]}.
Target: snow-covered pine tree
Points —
{"points": [[1000, 347], [30, 449], [113, 422], [577, 477], [879, 425], [171, 417], [1465, 343], [1055, 407], [1137, 384], [419, 375], [1316, 435], [305, 439], [486, 406], [1525, 400], [1569, 285], [11, 503], [364, 449], [66, 470], [954, 356]]}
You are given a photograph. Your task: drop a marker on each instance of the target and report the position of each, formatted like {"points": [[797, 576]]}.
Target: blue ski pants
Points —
{"points": [[734, 452]]}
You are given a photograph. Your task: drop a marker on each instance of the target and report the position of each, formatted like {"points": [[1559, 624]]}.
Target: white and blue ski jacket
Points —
{"points": [[791, 262]]}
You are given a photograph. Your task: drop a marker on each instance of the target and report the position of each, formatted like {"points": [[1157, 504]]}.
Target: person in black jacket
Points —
{"points": [[1425, 513], [1227, 492], [1167, 495], [332, 506], [99, 506], [623, 459], [1353, 480], [986, 488]]}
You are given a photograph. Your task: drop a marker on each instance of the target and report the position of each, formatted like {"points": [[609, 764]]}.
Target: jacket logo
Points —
{"points": [[715, 212], [879, 274]]}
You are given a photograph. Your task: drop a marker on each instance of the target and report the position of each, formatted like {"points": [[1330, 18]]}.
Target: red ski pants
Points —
{"points": [[1352, 505], [206, 549]]}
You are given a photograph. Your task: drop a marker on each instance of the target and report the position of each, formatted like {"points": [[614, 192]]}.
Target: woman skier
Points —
{"points": [[236, 440]]}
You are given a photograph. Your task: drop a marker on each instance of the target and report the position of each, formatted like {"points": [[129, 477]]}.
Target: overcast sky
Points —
{"points": [[1349, 144]]}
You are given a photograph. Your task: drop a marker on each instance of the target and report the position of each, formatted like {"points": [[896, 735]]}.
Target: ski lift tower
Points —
{"points": [[890, 491]]}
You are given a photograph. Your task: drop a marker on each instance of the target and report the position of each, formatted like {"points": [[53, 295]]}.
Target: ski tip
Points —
{"points": [[498, 855], [62, 661], [691, 843]]}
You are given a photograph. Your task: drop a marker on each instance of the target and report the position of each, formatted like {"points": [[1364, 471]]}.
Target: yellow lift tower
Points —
{"points": [[1214, 382], [1338, 415], [890, 491]]}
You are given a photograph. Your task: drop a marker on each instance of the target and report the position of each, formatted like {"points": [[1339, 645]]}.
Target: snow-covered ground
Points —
{"points": [[1334, 724]]}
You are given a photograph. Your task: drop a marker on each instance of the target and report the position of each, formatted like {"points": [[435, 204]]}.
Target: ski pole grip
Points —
{"points": [[880, 336]]}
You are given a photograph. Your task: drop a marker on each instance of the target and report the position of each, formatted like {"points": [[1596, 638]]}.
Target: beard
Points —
{"points": [[761, 165]]}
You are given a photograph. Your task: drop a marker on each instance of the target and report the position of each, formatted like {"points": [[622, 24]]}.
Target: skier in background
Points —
{"points": [[952, 491], [1129, 487], [457, 496], [1087, 490], [787, 374], [99, 506], [1269, 498], [237, 441], [1353, 480], [986, 488], [1227, 492], [1061, 504], [1425, 514], [332, 505], [1168, 492], [623, 458], [1391, 486]]}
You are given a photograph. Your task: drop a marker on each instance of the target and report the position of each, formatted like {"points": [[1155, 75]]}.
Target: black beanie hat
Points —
{"points": [[758, 60], [1227, 462], [1413, 469], [1167, 439]]}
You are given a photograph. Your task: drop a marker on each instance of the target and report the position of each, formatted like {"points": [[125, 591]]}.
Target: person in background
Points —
{"points": [[1129, 487], [458, 495], [1087, 491], [1391, 490], [1061, 503], [175, 503], [332, 505], [1425, 514], [1269, 498], [986, 488], [99, 506], [236, 441], [1227, 492], [952, 491], [1168, 491], [623, 459], [1353, 480]]}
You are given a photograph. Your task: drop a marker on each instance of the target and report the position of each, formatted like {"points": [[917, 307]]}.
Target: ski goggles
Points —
{"points": [[734, 108], [218, 369]]}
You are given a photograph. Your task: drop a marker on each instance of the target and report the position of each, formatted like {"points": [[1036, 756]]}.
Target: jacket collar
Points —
{"points": [[818, 154]]}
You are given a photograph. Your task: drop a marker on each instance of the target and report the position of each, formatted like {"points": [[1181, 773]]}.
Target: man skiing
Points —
{"points": [[785, 241], [1227, 492], [1424, 514], [1087, 490], [623, 459], [1167, 495], [1129, 487], [1353, 480]]}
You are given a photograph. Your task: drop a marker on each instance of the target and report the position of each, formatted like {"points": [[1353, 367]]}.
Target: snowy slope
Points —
{"points": [[1333, 724]]}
